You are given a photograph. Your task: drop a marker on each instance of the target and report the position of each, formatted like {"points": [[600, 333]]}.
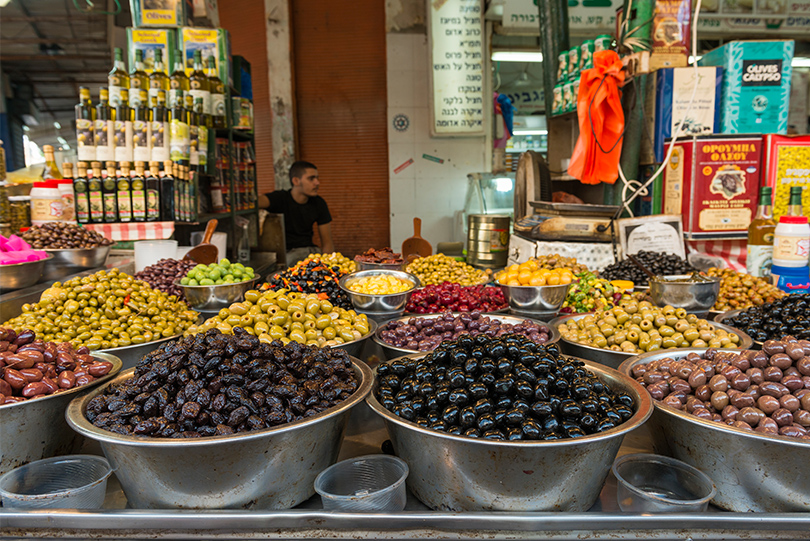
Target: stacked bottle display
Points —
{"points": [[243, 160]]}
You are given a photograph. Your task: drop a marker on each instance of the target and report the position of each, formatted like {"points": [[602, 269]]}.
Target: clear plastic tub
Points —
{"points": [[650, 483], [62, 482], [370, 484]]}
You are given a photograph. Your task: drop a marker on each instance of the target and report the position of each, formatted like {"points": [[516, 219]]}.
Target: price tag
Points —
{"points": [[662, 233]]}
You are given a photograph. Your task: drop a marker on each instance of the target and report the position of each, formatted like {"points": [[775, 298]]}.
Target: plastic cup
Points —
{"points": [[149, 252], [650, 483], [62, 482], [370, 484], [218, 239]]}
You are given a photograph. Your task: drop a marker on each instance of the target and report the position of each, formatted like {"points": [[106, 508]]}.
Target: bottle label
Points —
{"points": [[153, 91], [135, 99], [160, 141], [96, 206], [759, 260], [110, 212], [138, 204], [85, 140], [152, 205], [140, 140], [177, 202], [174, 95], [104, 130], [218, 105], [179, 140], [115, 92], [216, 198], [194, 144], [124, 202], [46, 210], [123, 141], [68, 207], [791, 249], [206, 97], [203, 146], [82, 208]]}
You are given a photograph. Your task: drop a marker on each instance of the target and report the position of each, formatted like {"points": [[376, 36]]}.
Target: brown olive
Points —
{"points": [[782, 417], [768, 404]]}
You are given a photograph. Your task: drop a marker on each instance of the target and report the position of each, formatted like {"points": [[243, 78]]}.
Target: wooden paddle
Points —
{"points": [[416, 245], [205, 252]]}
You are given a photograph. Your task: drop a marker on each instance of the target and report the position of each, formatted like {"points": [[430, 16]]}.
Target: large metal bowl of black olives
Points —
{"points": [[772, 320], [505, 424]]}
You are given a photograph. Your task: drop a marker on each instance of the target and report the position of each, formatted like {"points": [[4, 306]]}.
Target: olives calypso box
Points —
{"points": [[787, 163], [713, 181]]}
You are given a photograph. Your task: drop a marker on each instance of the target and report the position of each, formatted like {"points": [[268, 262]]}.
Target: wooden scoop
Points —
{"points": [[416, 245], [205, 252]]}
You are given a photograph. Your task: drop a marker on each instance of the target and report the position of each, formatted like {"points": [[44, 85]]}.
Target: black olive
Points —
{"points": [[605, 424], [487, 365], [405, 411], [551, 436], [431, 402], [513, 352], [494, 435], [466, 416], [624, 411], [625, 399], [398, 367], [588, 422], [456, 430], [442, 395], [541, 410], [589, 405], [469, 379], [555, 404], [472, 433], [391, 382], [477, 390], [388, 403], [439, 355], [482, 407], [497, 350], [531, 430], [433, 416], [503, 402], [486, 422], [459, 357], [514, 434], [385, 392], [426, 388], [418, 405], [525, 374], [551, 424], [504, 366], [450, 415], [613, 415], [542, 367], [402, 396], [504, 385], [422, 421], [465, 341], [515, 417], [521, 405], [524, 389], [459, 397], [438, 425], [575, 432], [500, 416], [382, 370], [598, 387], [478, 353], [488, 378], [541, 391], [580, 389], [407, 385], [570, 409], [456, 377], [561, 386], [472, 366]]}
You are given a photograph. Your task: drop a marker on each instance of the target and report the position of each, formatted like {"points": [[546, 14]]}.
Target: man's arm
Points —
{"points": [[325, 231], [264, 201]]}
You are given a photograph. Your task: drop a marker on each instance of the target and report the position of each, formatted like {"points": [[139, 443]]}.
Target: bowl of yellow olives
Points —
{"points": [[210, 288], [379, 291]]}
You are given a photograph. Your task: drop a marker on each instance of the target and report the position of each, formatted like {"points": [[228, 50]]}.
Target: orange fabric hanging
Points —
{"points": [[601, 121]]}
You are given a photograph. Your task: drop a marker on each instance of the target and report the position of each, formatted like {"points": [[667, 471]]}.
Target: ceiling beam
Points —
{"points": [[27, 41], [27, 13], [52, 57], [49, 18]]}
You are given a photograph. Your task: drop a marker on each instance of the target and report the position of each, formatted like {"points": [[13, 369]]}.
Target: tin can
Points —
{"points": [[562, 67], [568, 98], [557, 103], [586, 55], [602, 43], [573, 63]]}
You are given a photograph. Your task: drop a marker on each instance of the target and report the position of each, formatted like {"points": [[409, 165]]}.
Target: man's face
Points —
{"points": [[308, 182]]}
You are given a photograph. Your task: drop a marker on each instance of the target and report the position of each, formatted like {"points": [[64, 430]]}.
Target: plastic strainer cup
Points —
{"points": [[371, 484], [62, 482]]}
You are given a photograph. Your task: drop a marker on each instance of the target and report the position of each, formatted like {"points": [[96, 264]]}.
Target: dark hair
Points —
{"points": [[298, 169]]}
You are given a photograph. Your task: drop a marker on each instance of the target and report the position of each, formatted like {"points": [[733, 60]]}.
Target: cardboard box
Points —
{"points": [[211, 41], [666, 104], [787, 163], [756, 85], [149, 40], [205, 13], [163, 13], [713, 181], [670, 33]]}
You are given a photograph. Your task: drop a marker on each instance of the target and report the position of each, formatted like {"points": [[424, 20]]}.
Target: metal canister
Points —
{"points": [[20, 212], [562, 67], [602, 43], [568, 98], [487, 240], [557, 103], [573, 63], [586, 55]]}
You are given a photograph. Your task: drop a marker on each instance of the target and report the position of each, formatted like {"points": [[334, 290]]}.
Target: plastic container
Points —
{"points": [[149, 252], [791, 242], [68, 205], [371, 484], [20, 212], [62, 482], [791, 279], [650, 483], [46, 202]]}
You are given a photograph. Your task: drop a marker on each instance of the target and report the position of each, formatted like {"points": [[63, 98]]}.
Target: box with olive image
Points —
{"points": [[150, 40], [210, 42], [787, 163]]}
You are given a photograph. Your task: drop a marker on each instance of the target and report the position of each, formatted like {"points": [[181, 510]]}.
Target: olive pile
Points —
{"points": [[739, 290], [505, 388], [31, 368], [656, 262], [163, 275], [557, 261], [214, 384], [439, 268], [60, 235], [312, 276], [105, 310], [426, 333], [335, 259], [638, 327], [767, 391], [774, 320], [220, 273], [289, 316], [385, 256]]}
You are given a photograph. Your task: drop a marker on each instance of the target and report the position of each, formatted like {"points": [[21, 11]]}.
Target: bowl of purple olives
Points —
{"points": [[505, 424], [414, 334]]}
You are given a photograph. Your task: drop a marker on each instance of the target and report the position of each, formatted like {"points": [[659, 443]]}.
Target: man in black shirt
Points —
{"points": [[302, 207]]}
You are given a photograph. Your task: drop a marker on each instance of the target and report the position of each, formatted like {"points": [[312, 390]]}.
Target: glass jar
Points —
{"points": [[20, 212], [4, 207]]}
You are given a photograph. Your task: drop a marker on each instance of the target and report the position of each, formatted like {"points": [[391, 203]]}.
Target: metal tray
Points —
{"points": [[570, 209]]}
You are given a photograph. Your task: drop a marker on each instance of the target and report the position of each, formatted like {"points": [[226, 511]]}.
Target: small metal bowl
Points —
{"points": [[365, 265], [613, 358], [22, 275], [366, 303], [459, 474], [535, 301], [86, 258], [215, 298], [679, 292], [273, 468]]}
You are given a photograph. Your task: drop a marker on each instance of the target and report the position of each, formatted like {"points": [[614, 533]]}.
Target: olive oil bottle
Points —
{"points": [[153, 192], [85, 139], [160, 129], [80, 194], [103, 127], [760, 236], [178, 193], [95, 197], [108, 190], [167, 193], [118, 78], [180, 136], [51, 170], [141, 139], [158, 80], [178, 82], [217, 89], [138, 183], [124, 193], [138, 80], [199, 84], [122, 120], [202, 136], [193, 132]]}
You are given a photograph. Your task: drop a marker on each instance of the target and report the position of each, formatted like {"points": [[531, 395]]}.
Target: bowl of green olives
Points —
{"points": [[213, 298]]}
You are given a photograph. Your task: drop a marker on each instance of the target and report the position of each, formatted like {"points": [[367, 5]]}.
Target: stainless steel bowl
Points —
{"points": [[86, 258], [273, 468], [215, 298], [679, 292], [36, 429], [615, 358], [365, 265], [535, 301], [392, 351], [394, 302], [22, 275], [753, 472], [723, 316], [456, 473], [354, 347], [130, 355]]}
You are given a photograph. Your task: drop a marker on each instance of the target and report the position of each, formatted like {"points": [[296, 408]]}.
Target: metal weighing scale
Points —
{"points": [[568, 222]]}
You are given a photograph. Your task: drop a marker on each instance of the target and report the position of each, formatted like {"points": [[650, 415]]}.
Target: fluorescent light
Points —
{"points": [[61, 140], [57, 125], [800, 62], [4, 3], [517, 56], [530, 132], [503, 184]]}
